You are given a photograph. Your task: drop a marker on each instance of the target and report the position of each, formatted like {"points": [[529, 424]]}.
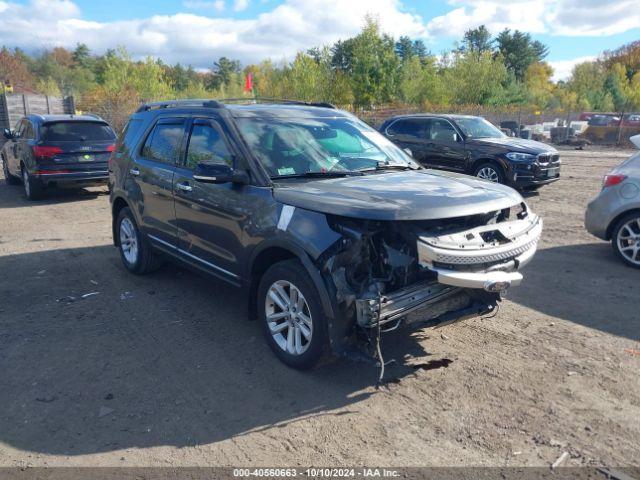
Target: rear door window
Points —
{"points": [[77, 132], [409, 128], [163, 143]]}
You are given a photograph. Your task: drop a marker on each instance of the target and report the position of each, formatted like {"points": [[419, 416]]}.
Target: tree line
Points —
{"points": [[369, 69]]}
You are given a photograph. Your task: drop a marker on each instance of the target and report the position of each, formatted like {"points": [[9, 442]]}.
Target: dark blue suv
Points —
{"points": [[60, 150], [334, 232]]}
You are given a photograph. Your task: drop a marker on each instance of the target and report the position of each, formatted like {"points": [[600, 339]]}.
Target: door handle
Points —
{"points": [[184, 186], [134, 171]]}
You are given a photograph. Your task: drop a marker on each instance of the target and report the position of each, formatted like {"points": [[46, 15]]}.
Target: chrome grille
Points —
{"points": [[485, 258]]}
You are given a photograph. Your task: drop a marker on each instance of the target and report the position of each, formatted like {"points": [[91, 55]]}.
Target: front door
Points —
{"points": [[446, 145], [210, 215], [152, 171]]}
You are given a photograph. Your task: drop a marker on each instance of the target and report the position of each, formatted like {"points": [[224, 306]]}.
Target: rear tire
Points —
{"points": [[291, 315], [490, 171], [8, 178], [136, 252], [625, 239], [33, 188]]}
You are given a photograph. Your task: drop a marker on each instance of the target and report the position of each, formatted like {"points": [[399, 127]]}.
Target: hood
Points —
{"points": [[411, 195], [513, 144]]}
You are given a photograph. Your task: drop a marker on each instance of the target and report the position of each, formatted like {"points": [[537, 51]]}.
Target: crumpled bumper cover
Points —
{"points": [[464, 260]]}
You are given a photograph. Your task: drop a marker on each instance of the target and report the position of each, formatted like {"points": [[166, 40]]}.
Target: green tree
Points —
{"points": [[477, 41], [476, 79], [375, 71], [519, 51]]}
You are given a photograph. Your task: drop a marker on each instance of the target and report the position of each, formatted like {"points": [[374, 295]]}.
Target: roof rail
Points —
{"points": [[277, 100], [207, 103]]}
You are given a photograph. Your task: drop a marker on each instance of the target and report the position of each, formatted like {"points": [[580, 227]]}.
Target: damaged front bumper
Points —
{"points": [[472, 268]]}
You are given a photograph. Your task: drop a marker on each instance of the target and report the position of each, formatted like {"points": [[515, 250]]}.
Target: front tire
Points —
{"points": [[33, 188], [291, 315], [135, 250], [489, 171], [626, 239]]}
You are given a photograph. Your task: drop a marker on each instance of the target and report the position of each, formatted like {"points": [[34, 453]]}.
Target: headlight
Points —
{"points": [[521, 157]]}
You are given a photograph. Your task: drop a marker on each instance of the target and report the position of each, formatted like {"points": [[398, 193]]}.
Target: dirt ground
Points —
{"points": [[166, 370]]}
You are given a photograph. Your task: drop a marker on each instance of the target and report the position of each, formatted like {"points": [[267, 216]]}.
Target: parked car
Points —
{"points": [[471, 145], [334, 233], [615, 213], [60, 150]]}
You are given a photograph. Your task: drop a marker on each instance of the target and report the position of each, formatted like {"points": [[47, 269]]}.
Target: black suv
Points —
{"points": [[61, 150], [471, 145], [335, 233]]}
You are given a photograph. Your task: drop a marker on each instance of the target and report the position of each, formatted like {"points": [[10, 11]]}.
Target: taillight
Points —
{"points": [[611, 180], [111, 147], [42, 152]]}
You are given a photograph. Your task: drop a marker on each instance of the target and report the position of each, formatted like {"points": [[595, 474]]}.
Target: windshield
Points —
{"points": [[299, 146], [476, 127]]}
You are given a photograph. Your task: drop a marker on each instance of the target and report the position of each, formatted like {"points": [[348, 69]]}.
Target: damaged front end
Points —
{"points": [[427, 272]]}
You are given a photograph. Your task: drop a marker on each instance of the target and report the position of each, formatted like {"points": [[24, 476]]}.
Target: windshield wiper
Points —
{"points": [[318, 174], [386, 166]]}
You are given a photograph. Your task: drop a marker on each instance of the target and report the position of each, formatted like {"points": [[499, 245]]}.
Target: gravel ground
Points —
{"points": [[166, 370]]}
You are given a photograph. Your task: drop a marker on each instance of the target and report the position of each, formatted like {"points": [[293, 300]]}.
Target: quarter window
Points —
{"points": [[163, 143], [206, 145]]}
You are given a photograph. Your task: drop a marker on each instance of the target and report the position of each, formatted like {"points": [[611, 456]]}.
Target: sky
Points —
{"points": [[197, 32]]}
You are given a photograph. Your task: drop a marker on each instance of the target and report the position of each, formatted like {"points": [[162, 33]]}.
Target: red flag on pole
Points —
{"points": [[248, 83]]}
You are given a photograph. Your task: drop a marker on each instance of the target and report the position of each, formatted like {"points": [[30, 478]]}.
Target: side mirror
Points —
{"points": [[8, 134], [408, 151], [219, 173]]}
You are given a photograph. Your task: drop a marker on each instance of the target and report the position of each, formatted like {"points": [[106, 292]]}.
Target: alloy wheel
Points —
{"points": [[629, 241], [488, 173], [128, 241], [288, 317]]}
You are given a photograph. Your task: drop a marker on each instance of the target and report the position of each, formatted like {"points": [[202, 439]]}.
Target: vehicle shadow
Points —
{"points": [[95, 359], [585, 284], [12, 196]]}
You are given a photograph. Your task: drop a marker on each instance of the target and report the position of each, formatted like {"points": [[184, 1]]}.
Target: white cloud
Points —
{"points": [[557, 17], [292, 26], [562, 68], [217, 5], [239, 5]]}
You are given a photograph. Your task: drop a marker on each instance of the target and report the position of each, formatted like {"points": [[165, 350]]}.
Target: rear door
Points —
{"points": [[409, 133], [152, 172], [210, 215]]}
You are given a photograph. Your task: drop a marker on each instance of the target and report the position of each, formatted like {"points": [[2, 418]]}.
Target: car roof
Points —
{"points": [[240, 108], [65, 117], [284, 111], [449, 116]]}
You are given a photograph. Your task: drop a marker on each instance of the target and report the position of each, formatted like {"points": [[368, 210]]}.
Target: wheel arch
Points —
{"points": [[614, 222], [277, 250], [478, 161], [118, 204]]}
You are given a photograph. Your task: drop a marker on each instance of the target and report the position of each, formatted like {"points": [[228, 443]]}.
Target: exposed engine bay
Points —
{"points": [[448, 269]]}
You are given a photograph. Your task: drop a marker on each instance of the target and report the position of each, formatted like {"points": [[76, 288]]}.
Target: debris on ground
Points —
{"points": [[105, 411], [632, 351], [48, 399], [126, 295], [443, 336], [89, 294], [561, 459]]}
